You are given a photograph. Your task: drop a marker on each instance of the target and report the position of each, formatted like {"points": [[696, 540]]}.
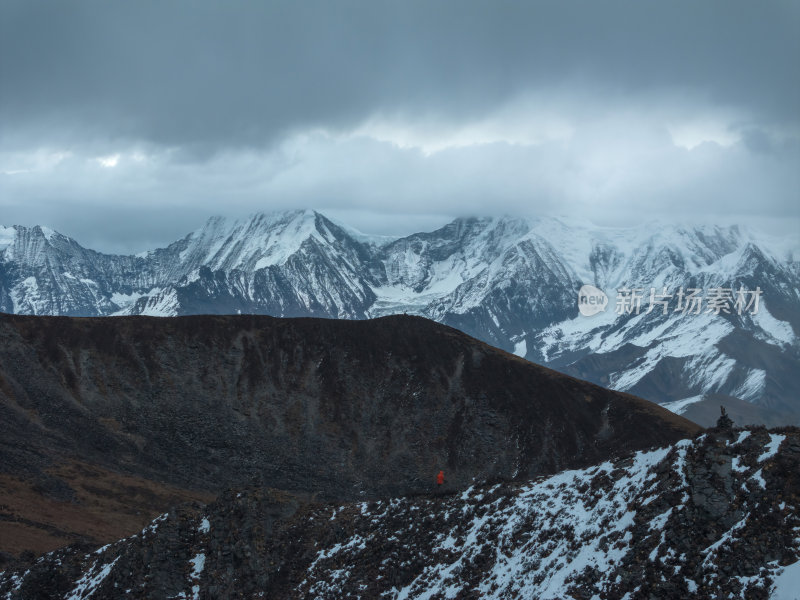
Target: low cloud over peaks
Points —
{"points": [[118, 112]]}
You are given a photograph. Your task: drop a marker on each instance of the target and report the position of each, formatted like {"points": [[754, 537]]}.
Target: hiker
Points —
{"points": [[440, 479]]}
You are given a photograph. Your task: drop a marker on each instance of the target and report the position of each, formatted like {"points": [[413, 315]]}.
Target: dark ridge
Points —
{"points": [[336, 410]]}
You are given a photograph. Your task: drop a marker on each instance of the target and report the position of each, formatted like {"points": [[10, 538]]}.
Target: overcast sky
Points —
{"points": [[127, 124]]}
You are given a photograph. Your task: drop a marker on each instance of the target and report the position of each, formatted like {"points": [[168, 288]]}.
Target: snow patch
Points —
{"points": [[87, 585], [48, 233], [743, 435], [198, 564], [123, 301], [771, 450], [161, 303], [680, 406], [759, 479], [775, 330], [752, 387], [786, 585], [204, 526]]}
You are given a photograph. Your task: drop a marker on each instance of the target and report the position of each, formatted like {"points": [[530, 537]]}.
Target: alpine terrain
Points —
{"points": [[105, 423], [508, 281], [710, 517]]}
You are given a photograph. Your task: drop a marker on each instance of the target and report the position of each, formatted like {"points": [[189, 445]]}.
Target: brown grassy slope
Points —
{"points": [[104, 506]]}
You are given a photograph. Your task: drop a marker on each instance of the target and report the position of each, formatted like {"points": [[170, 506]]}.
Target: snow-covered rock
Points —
{"points": [[711, 517]]}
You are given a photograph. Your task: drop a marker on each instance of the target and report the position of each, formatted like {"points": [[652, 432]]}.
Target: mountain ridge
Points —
{"points": [[709, 517], [509, 281], [187, 406]]}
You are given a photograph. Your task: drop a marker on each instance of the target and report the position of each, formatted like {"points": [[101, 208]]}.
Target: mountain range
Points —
{"points": [[512, 282]]}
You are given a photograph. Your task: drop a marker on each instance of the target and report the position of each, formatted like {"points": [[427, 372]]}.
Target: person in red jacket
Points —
{"points": [[440, 478]]}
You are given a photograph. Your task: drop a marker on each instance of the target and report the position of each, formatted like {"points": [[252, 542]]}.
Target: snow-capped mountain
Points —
{"points": [[509, 281], [710, 517], [286, 264], [44, 272]]}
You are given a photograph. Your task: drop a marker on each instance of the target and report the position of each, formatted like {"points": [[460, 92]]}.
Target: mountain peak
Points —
{"points": [[260, 221], [253, 242]]}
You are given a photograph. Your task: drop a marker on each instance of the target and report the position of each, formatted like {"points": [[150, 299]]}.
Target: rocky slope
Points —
{"points": [[712, 517], [510, 282], [340, 410]]}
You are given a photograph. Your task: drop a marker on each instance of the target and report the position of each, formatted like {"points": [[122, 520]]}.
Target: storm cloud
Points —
{"points": [[126, 124]]}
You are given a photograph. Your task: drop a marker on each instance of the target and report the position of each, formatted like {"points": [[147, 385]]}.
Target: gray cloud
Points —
{"points": [[122, 112], [182, 73]]}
